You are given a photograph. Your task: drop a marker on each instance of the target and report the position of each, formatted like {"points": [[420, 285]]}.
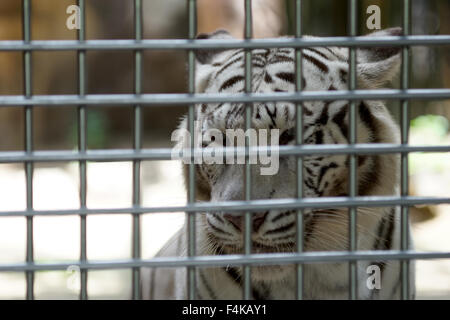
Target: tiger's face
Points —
{"points": [[324, 69]]}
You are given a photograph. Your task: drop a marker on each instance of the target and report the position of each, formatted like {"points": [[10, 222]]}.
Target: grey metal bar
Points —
{"points": [[137, 154], [184, 44], [166, 153], [252, 205], [247, 236], [27, 78], [191, 238], [353, 295], [404, 190], [299, 141], [186, 99], [233, 260], [82, 146], [137, 143]]}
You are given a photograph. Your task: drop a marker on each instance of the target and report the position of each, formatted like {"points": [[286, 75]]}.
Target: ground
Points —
{"points": [[109, 236]]}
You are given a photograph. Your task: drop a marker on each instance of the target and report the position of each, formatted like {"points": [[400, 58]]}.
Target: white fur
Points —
{"points": [[226, 183]]}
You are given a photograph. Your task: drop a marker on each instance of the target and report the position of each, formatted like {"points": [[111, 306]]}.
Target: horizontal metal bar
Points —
{"points": [[166, 153], [185, 44], [174, 99], [251, 205], [232, 260]]}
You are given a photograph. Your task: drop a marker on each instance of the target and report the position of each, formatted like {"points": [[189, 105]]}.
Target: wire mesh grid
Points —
{"points": [[28, 157]]}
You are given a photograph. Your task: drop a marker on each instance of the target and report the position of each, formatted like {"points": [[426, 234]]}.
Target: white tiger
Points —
{"points": [[274, 230]]}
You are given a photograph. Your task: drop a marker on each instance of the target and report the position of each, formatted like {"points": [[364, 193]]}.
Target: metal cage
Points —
{"points": [[28, 157]]}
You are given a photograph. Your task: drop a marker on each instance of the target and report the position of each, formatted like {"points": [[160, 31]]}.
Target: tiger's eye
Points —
{"points": [[286, 137]]}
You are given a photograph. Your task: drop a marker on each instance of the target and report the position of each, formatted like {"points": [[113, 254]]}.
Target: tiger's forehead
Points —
{"points": [[319, 63], [273, 70], [274, 54], [279, 115]]}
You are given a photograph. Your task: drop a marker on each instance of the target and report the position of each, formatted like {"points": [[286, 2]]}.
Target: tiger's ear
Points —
{"points": [[377, 66], [205, 56]]}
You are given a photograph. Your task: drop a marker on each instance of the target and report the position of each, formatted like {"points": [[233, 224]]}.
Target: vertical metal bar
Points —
{"points": [[82, 146], [248, 33], [28, 144], [299, 141], [137, 146], [352, 140], [404, 157], [191, 278]]}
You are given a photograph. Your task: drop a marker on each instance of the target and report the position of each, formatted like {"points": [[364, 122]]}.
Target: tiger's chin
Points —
{"points": [[275, 273], [261, 273], [257, 247]]}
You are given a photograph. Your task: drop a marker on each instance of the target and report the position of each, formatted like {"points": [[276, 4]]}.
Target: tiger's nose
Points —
{"points": [[238, 220]]}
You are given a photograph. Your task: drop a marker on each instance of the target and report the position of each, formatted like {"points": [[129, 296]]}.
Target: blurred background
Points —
{"points": [[109, 184]]}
